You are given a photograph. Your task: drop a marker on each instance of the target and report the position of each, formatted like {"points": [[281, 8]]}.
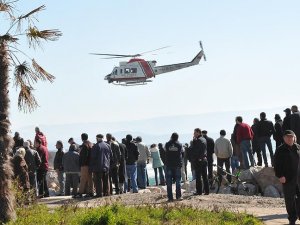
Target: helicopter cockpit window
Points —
{"points": [[133, 70], [127, 70]]}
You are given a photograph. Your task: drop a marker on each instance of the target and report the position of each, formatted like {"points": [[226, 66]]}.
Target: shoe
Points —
{"points": [[89, 195], [179, 199], [206, 193], [196, 193], [170, 200]]}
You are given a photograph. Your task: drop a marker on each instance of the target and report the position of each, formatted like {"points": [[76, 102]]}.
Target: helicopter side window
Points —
{"points": [[127, 70], [115, 72], [133, 70], [121, 71]]}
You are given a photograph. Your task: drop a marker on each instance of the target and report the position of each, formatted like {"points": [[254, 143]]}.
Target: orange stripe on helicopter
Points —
{"points": [[147, 69]]}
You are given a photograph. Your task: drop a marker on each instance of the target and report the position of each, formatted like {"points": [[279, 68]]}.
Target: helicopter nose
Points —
{"points": [[107, 77]]}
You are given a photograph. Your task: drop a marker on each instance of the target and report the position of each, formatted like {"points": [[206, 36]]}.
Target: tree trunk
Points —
{"points": [[7, 200]]}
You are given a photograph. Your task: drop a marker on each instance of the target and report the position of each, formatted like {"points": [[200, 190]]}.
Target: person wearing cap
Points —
{"points": [[286, 167], [33, 162], [286, 125], [131, 167], [295, 122], [142, 161], [278, 134], [58, 167], [101, 156], [265, 129]]}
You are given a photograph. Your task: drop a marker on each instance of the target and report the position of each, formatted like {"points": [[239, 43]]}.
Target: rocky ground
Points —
{"points": [[269, 210]]}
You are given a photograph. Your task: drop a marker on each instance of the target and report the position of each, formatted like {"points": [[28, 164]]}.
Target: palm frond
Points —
{"points": [[26, 16], [6, 6], [23, 75], [8, 38], [35, 36], [41, 73], [26, 100]]}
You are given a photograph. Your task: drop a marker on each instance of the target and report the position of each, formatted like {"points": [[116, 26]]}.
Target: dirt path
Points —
{"points": [[270, 210]]}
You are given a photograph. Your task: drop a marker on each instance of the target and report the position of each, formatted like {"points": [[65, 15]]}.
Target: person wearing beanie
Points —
{"points": [[286, 167]]}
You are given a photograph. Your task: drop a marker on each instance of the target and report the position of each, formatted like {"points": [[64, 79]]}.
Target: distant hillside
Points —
{"points": [[152, 130]]}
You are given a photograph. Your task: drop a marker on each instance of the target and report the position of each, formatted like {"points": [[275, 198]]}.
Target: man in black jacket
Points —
{"points": [[286, 166], [86, 181], [278, 135], [295, 122], [173, 165], [265, 129], [198, 157], [115, 163], [58, 167], [131, 163], [255, 142], [210, 151]]}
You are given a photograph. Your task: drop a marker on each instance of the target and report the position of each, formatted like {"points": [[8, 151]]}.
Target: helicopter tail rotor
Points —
{"points": [[201, 46]]}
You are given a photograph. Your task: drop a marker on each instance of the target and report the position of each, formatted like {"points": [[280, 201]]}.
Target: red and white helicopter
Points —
{"points": [[139, 71]]}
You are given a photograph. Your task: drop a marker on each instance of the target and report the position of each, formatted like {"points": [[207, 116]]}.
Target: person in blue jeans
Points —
{"points": [[173, 166], [157, 164], [131, 168], [244, 136]]}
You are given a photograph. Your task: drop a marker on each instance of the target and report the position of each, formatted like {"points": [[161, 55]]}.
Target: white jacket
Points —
{"points": [[223, 148]]}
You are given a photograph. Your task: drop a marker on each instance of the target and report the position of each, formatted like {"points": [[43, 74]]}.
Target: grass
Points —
{"points": [[122, 215]]}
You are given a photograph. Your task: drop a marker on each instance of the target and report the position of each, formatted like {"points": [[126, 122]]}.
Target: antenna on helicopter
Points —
{"points": [[201, 46]]}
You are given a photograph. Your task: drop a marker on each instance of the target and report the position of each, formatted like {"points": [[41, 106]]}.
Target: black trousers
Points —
{"points": [[292, 200], [210, 162], [201, 174], [220, 163], [114, 178], [101, 182], [42, 183]]}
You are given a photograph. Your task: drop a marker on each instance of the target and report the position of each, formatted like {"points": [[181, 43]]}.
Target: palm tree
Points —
{"points": [[25, 75]]}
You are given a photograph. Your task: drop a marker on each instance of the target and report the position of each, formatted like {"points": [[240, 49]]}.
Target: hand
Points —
{"points": [[282, 180]]}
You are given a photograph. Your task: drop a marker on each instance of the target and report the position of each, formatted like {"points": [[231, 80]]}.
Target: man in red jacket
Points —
{"points": [[244, 136]]}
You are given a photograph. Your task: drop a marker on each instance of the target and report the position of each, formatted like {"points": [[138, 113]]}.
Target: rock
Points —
{"points": [[141, 191], [249, 173], [271, 191], [247, 189], [224, 190], [265, 177], [186, 186], [154, 189], [192, 186]]}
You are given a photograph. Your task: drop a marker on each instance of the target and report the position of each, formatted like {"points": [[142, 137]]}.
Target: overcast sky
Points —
{"points": [[252, 50]]}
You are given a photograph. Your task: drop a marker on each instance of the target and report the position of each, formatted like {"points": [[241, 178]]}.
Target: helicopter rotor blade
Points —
{"points": [[154, 50], [112, 55]]}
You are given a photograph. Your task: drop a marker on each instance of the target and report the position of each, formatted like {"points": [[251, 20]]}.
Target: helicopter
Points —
{"points": [[138, 71]]}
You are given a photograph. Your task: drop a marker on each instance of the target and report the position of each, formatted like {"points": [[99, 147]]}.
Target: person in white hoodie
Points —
{"points": [[223, 151]]}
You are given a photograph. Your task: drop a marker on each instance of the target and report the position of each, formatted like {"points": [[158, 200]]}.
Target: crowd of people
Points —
{"points": [[111, 167]]}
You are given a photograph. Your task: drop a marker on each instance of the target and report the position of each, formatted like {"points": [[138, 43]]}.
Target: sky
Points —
{"points": [[252, 50]]}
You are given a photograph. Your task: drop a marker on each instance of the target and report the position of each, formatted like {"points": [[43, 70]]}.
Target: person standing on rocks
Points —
{"points": [[286, 166], [40, 136], [157, 164], [198, 157], [255, 142], [86, 181], [58, 167], [223, 151], [244, 136], [142, 163], [18, 142], [278, 135], [295, 122], [173, 166]]}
